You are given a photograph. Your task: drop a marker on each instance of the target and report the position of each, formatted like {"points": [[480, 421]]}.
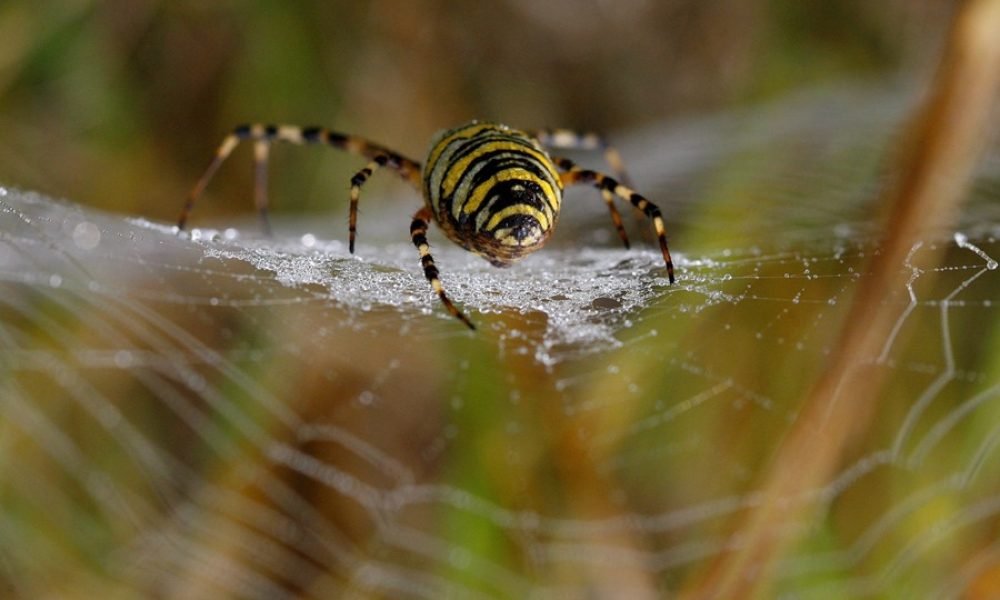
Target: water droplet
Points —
{"points": [[86, 235], [123, 359]]}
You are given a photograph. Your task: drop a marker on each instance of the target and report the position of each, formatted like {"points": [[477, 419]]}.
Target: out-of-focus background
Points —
{"points": [[812, 410], [118, 104]]}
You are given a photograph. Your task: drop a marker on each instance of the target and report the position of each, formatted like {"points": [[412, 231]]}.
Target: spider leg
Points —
{"points": [[609, 200], [225, 149], [567, 139], [261, 149], [573, 174], [418, 233], [357, 181], [264, 135], [616, 218]]}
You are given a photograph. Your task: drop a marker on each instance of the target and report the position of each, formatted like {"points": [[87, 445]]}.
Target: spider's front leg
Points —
{"points": [[573, 174], [418, 233]]}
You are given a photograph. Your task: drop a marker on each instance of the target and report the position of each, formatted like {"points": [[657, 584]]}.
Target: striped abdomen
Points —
{"points": [[493, 190]]}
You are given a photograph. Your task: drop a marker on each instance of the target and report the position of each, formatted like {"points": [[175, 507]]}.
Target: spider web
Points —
{"points": [[219, 414]]}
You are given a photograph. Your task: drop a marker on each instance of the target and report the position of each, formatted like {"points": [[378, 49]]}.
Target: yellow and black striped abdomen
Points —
{"points": [[493, 190]]}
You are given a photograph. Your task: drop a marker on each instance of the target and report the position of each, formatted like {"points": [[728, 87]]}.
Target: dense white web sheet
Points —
{"points": [[218, 413]]}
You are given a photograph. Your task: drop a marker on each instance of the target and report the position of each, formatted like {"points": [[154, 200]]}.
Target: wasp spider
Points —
{"points": [[492, 189]]}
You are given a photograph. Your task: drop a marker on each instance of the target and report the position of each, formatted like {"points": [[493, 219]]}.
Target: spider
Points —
{"points": [[492, 189]]}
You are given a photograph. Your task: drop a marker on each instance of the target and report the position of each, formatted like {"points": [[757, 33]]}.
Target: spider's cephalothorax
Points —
{"points": [[492, 189]]}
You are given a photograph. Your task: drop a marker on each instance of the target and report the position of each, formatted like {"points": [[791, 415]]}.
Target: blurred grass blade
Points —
{"points": [[945, 141]]}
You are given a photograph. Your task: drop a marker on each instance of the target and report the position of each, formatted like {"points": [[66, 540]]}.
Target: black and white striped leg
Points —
{"points": [[573, 174], [418, 233]]}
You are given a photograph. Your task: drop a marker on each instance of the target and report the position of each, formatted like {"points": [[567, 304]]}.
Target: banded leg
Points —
{"points": [[418, 233], [616, 218], [572, 174], [264, 135], [566, 139], [357, 181]]}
